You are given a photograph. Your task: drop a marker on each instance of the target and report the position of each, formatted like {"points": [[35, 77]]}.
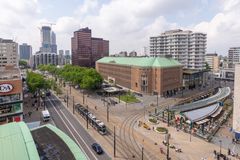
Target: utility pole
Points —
{"points": [[44, 105], [190, 132], [73, 106], [142, 152], [168, 117], [67, 99], [190, 135], [83, 97], [114, 141], [167, 139], [87, 116], [220, 141], [107, 111]]}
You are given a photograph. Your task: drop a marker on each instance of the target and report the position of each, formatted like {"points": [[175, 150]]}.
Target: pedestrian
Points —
{"points": [[229, 151], [153, 128], [37, 109], [29, 113], [95, 107]]}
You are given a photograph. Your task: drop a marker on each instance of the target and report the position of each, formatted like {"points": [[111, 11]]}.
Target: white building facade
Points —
{"points": [[213, 60], [236, 105], [233, 56], [8, 53], [187, 47], [44, 58]]}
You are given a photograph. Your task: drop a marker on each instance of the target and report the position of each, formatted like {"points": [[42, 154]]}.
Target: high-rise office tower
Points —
{"points": [[233, 56], [100, 48], [46, 39], [25, 51], [185, 46], [53, 43], [67, 57], [86, 49], [48, 49], [61, 57], [8, 53]]}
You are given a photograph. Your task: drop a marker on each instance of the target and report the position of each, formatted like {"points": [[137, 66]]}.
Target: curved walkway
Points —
{"points": [[221, 94]]}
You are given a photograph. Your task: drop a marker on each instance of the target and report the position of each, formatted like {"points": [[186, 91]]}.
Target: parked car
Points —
{"points": [[178, 150], [97, 148]]}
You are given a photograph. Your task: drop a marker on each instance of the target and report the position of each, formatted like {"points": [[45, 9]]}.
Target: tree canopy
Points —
{"points": [[86, 78], [36, 81], [23, 63]]}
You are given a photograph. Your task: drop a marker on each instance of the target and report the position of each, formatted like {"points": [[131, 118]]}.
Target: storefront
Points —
{"points": [[11, 107]]}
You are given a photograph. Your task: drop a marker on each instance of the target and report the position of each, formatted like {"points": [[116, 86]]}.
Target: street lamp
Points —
{"points": [[220, 145], [167, 140]]}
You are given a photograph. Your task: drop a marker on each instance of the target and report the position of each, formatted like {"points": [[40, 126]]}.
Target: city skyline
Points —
{"points": [[135, 22]]}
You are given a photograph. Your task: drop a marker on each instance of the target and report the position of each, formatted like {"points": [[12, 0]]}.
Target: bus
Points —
{"points": [[45, 115]]}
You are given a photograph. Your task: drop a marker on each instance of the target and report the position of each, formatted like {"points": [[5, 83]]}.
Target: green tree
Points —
{"points": [[87, 78], [23, 63], [36, 82], [207, 66], [91, 79]]}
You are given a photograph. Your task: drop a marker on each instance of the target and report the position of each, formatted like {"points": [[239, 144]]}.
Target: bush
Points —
{"points": [[162, 129], [153, 120]]}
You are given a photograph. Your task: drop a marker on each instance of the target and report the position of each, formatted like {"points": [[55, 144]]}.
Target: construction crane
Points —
{"points": [[48, 23]]}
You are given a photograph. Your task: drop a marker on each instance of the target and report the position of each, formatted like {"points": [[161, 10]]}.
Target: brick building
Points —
{"points": [[86, 50], [148, 75]]}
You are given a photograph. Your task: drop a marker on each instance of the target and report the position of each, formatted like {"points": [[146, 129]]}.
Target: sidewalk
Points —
{"points": [[31, 111]]}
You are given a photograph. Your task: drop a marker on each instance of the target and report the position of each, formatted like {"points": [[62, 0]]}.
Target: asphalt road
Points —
{"points": [[66, 122]]}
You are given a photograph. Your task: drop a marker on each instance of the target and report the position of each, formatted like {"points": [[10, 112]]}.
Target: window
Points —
{"points": [[136, 84]]}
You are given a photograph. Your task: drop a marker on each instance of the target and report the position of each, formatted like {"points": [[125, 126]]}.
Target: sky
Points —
{"points": [[127, 24]]}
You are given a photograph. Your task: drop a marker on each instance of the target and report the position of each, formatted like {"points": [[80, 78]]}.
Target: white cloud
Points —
{"points": [[223, 29], [128, 24], [18, 20]]}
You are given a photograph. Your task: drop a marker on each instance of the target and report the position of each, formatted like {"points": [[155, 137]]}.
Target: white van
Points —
{"points": [[45, 115]]}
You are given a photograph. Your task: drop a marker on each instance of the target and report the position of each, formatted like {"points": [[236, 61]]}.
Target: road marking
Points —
{"points": [[78, 134], [70, 131]]}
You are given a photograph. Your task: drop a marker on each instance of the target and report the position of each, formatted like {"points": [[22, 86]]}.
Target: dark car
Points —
{"points": [[48, 93], [97, 148]]}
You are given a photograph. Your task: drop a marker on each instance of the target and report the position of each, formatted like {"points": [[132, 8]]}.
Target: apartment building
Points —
{"points": [[187, 47], [8, 52], [147, 75], [233, 56], [11, 96], [213, 60]]}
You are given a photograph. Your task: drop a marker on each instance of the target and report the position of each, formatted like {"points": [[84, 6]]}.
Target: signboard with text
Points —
{"points": [[5, 88]]}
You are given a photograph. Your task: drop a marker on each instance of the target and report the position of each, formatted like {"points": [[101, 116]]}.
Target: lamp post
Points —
{"points": [[167, 139], [107, 111], [114, 141], [67, 99], [220, 145], [168, 118], [73, 106]]}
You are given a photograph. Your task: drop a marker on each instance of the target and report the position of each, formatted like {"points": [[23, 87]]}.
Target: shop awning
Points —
{"points": [[217, 112], [202, 113], [202, 121]]}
